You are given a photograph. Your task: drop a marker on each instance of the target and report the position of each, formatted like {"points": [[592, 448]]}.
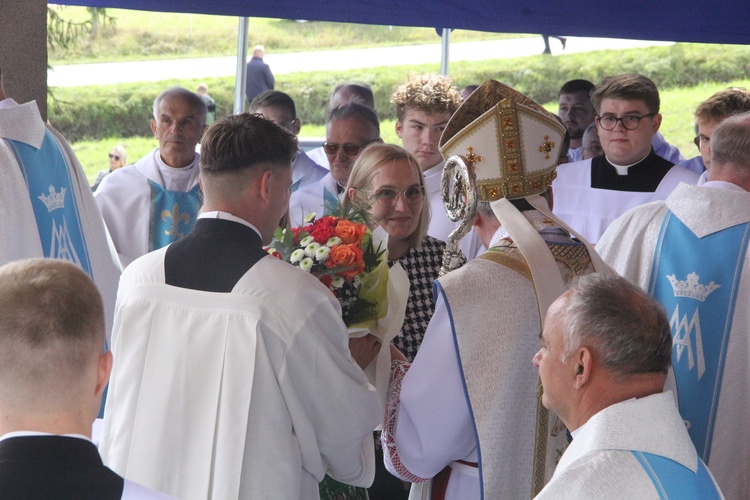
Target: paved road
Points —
{"points": [[182, 69]]}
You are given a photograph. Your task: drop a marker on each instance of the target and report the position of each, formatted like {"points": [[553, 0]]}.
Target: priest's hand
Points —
{"points": [[364, 349]]}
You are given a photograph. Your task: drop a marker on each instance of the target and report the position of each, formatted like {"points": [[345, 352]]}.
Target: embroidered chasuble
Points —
{"points": [[691, 251], [697, 279], [47, 206], [519, 440], [635, 449], [148, 204], [50, 188], [173, 214]]}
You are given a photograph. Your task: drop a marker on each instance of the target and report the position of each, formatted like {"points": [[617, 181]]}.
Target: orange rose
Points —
{"points": [[349, 257], [350, 232]]}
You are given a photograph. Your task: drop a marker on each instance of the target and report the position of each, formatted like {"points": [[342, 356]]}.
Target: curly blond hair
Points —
{"points": [[427, 93]]}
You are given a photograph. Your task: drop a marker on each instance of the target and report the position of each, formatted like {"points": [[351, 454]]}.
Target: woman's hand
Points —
{"points": [[365, 349]]}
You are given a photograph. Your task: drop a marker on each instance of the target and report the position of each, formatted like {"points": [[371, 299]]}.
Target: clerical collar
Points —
{"points": [[623, 169], [217, 214], [16, 434]]}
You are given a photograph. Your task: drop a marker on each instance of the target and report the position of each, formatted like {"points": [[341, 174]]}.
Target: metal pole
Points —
{"points": [[446, 38], [241, 73]]}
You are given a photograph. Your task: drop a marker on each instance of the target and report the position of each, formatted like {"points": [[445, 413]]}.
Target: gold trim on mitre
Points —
{"points": [[518, 140]]}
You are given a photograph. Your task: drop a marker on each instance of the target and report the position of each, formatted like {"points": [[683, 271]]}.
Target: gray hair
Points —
{"points": [[190, 98], [357, 112], [626, 327], [730, 144], [344, 93]]}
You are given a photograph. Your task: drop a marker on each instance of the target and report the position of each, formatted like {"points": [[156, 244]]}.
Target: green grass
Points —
{"points": [[139, 35], [677, 106]]}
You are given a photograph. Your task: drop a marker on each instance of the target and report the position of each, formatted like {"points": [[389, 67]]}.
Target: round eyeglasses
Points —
{"points": [[387, 197], [115, 157], [629, 122]]}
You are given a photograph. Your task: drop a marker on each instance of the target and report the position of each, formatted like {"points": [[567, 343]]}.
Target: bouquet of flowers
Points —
{"points": [[352, 262], [346, 257]]}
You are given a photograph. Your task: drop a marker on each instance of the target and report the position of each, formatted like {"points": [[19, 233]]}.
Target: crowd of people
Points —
{"points": [[587, 340]]}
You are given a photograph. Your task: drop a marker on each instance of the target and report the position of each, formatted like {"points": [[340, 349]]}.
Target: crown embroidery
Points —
{"points": [[55, 200], [692, 288]]}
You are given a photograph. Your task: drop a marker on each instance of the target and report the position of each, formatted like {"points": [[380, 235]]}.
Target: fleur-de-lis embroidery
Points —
{"points": [[546, 147], [176, 216]]}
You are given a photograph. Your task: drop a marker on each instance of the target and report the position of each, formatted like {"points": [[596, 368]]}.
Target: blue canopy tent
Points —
{"points": [[664, 20], [667, 20]]}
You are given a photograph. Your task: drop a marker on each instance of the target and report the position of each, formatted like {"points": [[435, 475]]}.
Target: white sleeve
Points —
{"points": [[433, 426], [334, 395]]}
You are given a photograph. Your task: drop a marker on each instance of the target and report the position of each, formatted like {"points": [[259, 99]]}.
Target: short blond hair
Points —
{"points": [[427, 93], [51, 329]]}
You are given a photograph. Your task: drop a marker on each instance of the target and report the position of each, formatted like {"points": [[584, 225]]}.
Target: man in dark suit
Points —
{"points": [[52, 376], [259, 76]]}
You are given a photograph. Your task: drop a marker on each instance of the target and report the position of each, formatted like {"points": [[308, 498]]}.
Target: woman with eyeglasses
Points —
{"points": [[386, 182], [118, 158]]}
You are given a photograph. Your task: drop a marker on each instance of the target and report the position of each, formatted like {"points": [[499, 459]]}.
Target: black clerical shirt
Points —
{"points": [[643, 177]]}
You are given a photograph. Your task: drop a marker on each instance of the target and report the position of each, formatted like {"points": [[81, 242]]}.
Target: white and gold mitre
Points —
{"points": [[512, 142]]}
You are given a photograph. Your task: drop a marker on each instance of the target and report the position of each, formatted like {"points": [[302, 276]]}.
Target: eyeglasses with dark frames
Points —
{"points": [[111, 156], [629, 122]]}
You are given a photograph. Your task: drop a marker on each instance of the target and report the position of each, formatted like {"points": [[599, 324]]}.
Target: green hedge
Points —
{"points": [[125, 110]]}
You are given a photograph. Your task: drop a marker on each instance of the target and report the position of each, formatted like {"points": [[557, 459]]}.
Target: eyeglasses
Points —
{"points": [[111, 156], [630, 122], [386, 197], [332, 148]]}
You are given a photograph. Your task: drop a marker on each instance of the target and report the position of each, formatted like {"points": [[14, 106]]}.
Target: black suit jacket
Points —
{"points": [[55, 467], [213, 256]]}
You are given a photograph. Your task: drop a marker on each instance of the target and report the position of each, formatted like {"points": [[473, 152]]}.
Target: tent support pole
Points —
{"points": [[241, 75], [446, 39]]}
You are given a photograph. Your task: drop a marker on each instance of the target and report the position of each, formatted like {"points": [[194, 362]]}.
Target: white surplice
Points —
{"points": [[599, 463], [124, 198], [19, 237], [590, 210], [629, 247], [260, 401]]}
